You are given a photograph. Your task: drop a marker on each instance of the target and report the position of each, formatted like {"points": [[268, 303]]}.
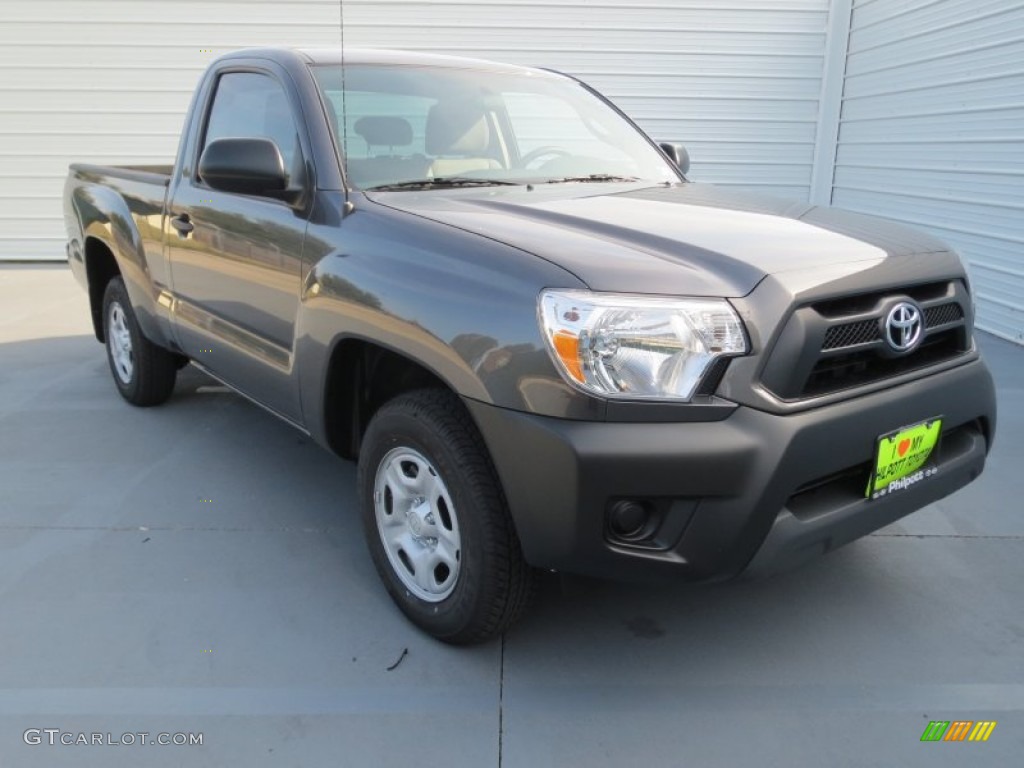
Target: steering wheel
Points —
{"points": [[534, 155]]}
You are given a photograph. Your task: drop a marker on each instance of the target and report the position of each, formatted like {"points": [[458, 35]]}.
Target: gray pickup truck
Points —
{"points": [[544, 346]]}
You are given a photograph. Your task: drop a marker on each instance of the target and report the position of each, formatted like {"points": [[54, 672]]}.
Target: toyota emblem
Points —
{"points": [[903, 326]]}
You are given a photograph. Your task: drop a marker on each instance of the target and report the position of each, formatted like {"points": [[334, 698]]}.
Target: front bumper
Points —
{"points": [[755, 492]]}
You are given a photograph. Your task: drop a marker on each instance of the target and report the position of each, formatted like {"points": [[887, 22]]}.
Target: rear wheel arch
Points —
{"points": [[100, 268]]}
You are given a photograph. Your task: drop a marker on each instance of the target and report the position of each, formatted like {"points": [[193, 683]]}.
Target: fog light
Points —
{"points": [[628, 519]]}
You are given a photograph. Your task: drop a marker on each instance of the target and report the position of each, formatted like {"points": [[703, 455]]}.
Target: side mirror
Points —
{"points": [[248, 166], [677, 154]]}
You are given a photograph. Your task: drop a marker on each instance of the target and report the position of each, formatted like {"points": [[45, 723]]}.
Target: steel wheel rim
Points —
{"points": [[417, 524], [119, 340]]}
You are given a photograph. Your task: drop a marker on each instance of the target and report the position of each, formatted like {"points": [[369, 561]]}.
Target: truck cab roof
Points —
{"points": [[358, 56]]}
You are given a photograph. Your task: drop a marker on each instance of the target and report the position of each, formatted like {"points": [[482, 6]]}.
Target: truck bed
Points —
{"points": [[150, 174]]}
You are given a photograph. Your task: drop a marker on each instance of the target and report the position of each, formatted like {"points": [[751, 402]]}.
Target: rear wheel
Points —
{"points": [[436, 521], [143, 372]]}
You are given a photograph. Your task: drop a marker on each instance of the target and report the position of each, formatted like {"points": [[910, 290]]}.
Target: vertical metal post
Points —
{"points": [[830, 101]]}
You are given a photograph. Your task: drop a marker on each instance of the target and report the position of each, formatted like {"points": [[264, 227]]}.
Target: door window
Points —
{"points": [[252, 105]]}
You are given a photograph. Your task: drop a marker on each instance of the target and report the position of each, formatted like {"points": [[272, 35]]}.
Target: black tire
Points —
{"points": [[493, 583], [148, 378]]}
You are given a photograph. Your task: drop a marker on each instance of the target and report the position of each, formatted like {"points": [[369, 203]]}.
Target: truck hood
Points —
{"points": [[691, 239]]}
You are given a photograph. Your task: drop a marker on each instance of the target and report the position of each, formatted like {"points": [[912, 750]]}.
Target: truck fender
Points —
{"points": [[318, 338], [106, 218]]}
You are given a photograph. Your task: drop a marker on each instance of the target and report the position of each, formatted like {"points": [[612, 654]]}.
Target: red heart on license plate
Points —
{"points": [[903, 446]]}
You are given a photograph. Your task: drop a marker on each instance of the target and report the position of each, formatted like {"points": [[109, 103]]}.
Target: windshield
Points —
{"points": [[421, 127]]}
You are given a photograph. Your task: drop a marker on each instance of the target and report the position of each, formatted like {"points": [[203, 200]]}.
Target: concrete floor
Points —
{"points": [[200, 568]]}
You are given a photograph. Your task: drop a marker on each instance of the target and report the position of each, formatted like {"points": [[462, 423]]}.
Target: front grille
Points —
{"points": [[865, 302], [838, 344], [851, 334], [853, 369], [867, 331], [943, 314]]}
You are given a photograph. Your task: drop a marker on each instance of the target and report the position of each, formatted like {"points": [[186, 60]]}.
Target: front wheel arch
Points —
{"points": [[361, 377]]}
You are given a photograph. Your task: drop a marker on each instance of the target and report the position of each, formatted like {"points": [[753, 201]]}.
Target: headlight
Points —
{"points": [[637, 347]]}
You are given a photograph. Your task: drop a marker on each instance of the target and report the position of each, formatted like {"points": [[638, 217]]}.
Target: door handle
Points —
{"points": [[183, 225]]}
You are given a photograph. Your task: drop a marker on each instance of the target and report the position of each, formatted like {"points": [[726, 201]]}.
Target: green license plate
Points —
{"points": [[901, 458]]}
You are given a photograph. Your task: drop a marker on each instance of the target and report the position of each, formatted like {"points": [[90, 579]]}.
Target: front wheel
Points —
{"points": [[436, 521], [143, 372]]}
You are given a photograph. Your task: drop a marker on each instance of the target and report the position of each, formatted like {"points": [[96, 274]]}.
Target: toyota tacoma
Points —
{"points": [[544, 346]]}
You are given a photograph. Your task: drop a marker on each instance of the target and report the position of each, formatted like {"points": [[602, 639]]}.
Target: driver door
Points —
{"points": [[236, 258]]}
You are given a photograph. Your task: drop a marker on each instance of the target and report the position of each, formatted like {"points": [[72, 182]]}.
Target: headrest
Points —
{"points": [[380, 131], [457, 128]]}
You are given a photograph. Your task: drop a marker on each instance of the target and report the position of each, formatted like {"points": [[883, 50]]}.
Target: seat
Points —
{"points": [[459, 137], [390, 132], [382, 131]]}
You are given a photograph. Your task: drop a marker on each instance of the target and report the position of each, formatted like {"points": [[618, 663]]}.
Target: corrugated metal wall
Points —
{"points": [[737, 81], [109, 80], [928, 94], [932, 133]]}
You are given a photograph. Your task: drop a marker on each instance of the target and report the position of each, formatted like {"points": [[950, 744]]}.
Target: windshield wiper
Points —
{"points": [[442, 182], [593, 177]]}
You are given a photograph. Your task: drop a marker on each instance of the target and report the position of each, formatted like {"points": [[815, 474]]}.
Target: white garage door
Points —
{"points": [[932, 133], [108, 81]]}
